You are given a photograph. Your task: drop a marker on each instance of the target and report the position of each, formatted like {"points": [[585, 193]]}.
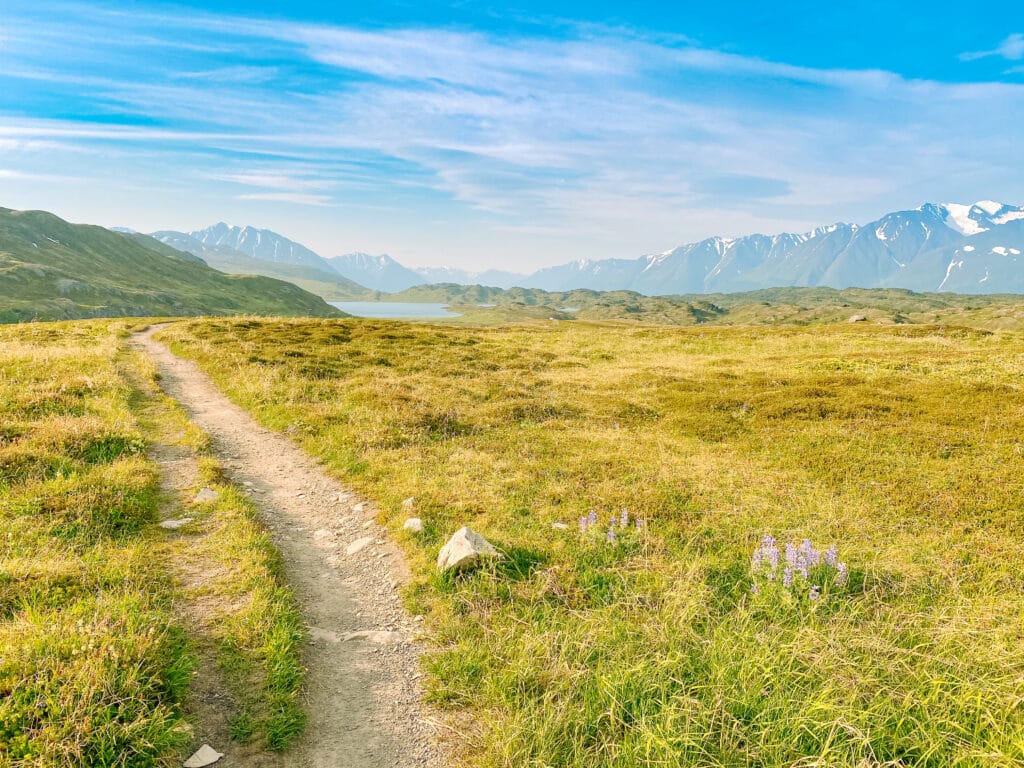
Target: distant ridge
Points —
{"points": [[381, 273]]}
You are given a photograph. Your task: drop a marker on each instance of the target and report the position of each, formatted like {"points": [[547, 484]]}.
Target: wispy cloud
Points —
{"points": [[1012, 49], [288, 197]]}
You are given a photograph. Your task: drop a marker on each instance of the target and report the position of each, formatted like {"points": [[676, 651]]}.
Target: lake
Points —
{"points": [[395, 310]]}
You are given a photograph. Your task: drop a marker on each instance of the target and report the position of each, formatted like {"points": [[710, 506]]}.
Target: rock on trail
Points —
{"points": [[364, 706]]}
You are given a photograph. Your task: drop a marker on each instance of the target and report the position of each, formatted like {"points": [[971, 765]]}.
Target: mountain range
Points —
{"points": [[937, 247]]}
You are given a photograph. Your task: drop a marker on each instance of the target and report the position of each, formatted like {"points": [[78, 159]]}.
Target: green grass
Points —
{"points": [[95, 658], [900, 444], [92, 665]]}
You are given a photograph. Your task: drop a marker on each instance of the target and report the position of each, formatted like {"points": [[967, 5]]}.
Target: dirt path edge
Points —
{"points": [[363, 697]]}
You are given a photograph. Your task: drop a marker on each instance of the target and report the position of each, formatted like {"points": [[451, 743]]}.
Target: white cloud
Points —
{"points": [[273, 179]]}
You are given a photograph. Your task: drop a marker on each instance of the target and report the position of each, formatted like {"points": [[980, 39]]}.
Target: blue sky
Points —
{"points": [[481, 135]]}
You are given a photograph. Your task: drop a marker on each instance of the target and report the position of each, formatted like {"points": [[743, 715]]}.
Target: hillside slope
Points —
{"points": [[323, 281], [53, 270]]}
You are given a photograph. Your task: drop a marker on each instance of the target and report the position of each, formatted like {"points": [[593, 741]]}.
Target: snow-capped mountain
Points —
{"points": [[189, 244], [381, 273], [966, 248], [259, 244]]}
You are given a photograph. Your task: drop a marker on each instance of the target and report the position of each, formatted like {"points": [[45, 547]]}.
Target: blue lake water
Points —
{"points": [[395, 310]]}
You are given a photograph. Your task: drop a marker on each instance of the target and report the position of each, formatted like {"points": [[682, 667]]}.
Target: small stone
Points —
{"points": [[358, 545], [324, 534], [560, 526], [407, 505], [413, 524], [368, 524], [465, 549], [358, 507], [175, 524], [205, 495], [205, 755], [857, 319]]}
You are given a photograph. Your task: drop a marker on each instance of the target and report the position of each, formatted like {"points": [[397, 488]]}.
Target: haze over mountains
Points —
{"points": [[937, 247]]}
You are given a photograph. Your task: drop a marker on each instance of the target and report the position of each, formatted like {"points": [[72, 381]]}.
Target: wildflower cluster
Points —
{"points": [[618, 524], [799, 569]]}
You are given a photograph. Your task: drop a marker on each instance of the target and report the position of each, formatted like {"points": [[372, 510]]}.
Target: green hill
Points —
{"points": [[53, 270], [331, 286]]}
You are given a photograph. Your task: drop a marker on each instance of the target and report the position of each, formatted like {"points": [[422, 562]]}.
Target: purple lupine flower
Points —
{"points": [[592, 517], [801, 566], [815, 593], [790, 554], [611, 534], [773, 555], [624, 519], [583, 525], [832, 556], [842, 574], [787, 578], [638, 524], [811, 555], [754, 588]]}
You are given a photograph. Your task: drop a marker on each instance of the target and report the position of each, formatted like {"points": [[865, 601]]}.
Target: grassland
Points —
{"points": [[96, 648], [900, 444]]}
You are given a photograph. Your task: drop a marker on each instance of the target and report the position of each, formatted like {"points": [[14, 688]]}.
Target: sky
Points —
{"points": [[517, 136]]}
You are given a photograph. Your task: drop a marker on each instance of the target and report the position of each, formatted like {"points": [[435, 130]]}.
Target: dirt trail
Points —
{"points": [[363, 698]]}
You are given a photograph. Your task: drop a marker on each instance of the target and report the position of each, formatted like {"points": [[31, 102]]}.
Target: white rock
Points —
{"points": [[207, 494], [359, 545], [413, 524], [407, 506], [465, 549], [560, 526], [358, 507], [205, 755], [324, 534], [175, 524], [857, 319]]}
